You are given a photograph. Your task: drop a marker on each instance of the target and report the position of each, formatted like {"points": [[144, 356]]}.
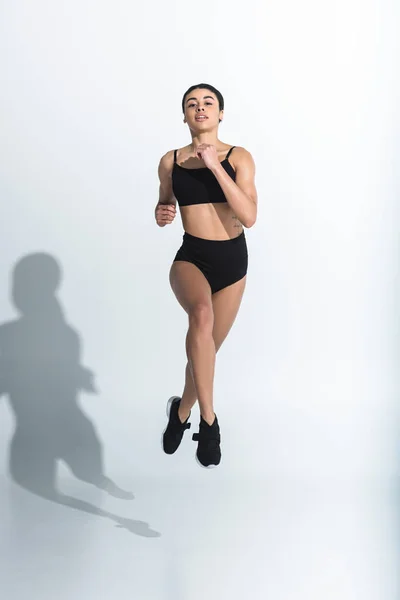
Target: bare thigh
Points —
{"points": [[226, 304], [190, 287], [192, 291]]}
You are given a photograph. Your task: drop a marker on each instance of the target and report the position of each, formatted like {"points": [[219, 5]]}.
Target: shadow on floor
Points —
{"points": [[42, 375]]}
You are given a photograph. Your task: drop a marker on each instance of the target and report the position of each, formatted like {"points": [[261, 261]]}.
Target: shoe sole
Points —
{"points": [[202, 466], [169, 404]]}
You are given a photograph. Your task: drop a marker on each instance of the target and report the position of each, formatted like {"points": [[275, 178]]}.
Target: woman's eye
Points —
{"points": [[208, 103]]}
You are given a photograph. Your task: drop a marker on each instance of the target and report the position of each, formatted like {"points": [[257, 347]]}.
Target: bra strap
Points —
{"points": [[175, 151], [229, 153]]}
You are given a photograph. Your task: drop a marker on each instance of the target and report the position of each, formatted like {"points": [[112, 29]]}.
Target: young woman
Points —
{"points": [[213, 183]]}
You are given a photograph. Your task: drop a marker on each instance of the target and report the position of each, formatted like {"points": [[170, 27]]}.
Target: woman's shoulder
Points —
{"points": [[239, 150], [240, 155], [166, 163], [167, 157], [171, 153], [167, 160]]}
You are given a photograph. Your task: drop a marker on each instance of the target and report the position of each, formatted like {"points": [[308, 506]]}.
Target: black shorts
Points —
{"points": [[222, 262]]}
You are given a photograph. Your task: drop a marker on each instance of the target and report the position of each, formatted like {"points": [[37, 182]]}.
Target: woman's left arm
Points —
{"points": [[240, 194]]}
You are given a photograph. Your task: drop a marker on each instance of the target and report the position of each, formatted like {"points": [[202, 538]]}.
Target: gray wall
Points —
{"points": [[90, 100]]}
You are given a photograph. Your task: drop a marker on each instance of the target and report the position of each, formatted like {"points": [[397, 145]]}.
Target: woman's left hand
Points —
{"points": [[208, 153]]}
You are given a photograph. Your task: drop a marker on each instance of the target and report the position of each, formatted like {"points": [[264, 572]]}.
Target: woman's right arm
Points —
{"points": [[165, 210]]}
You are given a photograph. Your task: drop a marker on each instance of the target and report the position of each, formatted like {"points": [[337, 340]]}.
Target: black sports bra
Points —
{"points": [[199, 186]]}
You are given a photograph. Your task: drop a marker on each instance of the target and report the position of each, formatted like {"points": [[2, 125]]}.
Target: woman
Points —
{"points": [[213, 183]]}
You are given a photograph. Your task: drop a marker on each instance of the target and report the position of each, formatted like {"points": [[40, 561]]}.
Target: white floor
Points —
{"points": [[194, 538]]}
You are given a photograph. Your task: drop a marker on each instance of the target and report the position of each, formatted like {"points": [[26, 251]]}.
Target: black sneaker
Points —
{"points": [[208, 451], [175, 429]]}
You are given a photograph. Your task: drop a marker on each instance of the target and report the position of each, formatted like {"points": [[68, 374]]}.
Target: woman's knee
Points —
{"points": [[201, 316]]}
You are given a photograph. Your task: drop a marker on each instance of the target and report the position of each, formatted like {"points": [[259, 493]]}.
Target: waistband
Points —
{"points": [[192, 238]]}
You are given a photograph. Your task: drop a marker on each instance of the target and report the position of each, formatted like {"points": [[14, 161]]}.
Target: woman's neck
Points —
{"points": [[205, 138]]}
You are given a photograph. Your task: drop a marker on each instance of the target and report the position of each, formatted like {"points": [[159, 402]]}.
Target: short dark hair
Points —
{"points": [[204, 86]]}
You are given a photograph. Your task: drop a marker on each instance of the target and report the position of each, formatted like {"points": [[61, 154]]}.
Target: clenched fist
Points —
{"points": [[165, 214], [208, 153]]}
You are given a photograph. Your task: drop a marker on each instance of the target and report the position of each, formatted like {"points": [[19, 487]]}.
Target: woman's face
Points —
{"points": [[202, 111]]}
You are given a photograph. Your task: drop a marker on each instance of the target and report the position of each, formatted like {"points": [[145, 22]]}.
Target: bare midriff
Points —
{"points": [[211, 221]]}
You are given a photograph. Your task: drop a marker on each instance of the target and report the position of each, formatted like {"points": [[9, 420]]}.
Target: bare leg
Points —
{"points": [[189, 395], [193, 292], [226, 304]]}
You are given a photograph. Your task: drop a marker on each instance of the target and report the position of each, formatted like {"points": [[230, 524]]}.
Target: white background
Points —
{"points": [[306, 386]]}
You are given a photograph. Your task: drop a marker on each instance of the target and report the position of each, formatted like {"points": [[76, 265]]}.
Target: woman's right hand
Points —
{"points": [[165, 214]]}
